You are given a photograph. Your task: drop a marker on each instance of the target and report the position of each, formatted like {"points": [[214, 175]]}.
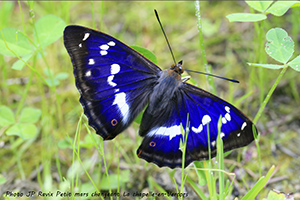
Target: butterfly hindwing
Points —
{"points": [[113, 79], [203, 110], [162, 137]]}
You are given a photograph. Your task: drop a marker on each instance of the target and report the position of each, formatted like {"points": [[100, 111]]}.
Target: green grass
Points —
{"points": [[47, 145]]}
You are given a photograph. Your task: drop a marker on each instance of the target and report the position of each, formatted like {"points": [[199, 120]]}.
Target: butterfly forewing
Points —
{"points": [[114, 80], [205, 110]]}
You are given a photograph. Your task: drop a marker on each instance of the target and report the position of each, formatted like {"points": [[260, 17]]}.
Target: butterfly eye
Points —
{"points": [[180, 70]]}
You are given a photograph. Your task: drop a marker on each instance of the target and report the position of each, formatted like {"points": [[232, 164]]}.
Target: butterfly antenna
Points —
{"points": [[227, 79], [157, 17]]}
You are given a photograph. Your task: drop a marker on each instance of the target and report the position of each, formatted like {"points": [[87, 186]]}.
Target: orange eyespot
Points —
{"points": [[152, 144], [114, 122]]}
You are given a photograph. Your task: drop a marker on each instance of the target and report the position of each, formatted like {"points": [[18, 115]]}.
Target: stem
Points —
{"points": [[262, 107], [22, 18], [207, 68], [93, 14]]}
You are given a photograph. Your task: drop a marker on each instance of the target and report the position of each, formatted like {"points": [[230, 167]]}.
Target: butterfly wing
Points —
{"points": [[162, 135], [113, 79], [203, 110]]}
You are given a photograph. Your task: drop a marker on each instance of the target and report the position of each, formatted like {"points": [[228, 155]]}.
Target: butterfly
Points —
{"points": [[116, 84]]}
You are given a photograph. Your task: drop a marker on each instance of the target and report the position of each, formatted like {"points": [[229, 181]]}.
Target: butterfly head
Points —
{"points": [[177, 68]]}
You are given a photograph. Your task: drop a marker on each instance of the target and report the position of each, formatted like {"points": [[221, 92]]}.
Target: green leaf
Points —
{"points": [[138, 119], [25, 131], [19, 64], [296, 5], [220, 158], [260, 6], [245, 17], [200, 173], [145, 52], [88, 141], [279, 8], [49, 28], [16, 41], [62, 76], [63, 144], [30, 115], [279, 46], [259, 185], [276, 196], [74, 169], [196, 189], [87, 188], [7, 116], [2, 179], [211, 27], [6, 9], [48, 72], [52, 82], [295, 64], [269, 66], [114, 180]]}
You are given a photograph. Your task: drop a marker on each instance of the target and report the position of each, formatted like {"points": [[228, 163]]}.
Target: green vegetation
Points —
{"points": [[46, 145]]}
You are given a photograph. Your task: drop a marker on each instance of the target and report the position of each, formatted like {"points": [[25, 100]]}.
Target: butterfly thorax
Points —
{"points": [[166, 86]]}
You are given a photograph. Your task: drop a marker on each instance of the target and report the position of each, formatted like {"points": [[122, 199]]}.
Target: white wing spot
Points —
{"points": [[120, 101], [206, 119], [197, 130], [88, 73], [227, 109], [103, 52], [104, 47], [115, 68], [91, 61], [109, 81], [80, 45], [224, 121], [243, 125], [213, 143], [172, 131], [111, 43], [239, 134], [227, 116], [86, 36], [158, 131], [222, 135]]}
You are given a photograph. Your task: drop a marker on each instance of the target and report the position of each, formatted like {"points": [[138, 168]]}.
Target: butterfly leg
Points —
{"points": [[184, 79]]}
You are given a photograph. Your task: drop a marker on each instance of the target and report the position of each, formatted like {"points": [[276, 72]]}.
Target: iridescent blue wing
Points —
{"points": [[114, 80], [162, 139]]}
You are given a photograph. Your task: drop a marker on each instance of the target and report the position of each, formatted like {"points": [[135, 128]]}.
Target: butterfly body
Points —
{"points": [[116, 83], [165, 89]]}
